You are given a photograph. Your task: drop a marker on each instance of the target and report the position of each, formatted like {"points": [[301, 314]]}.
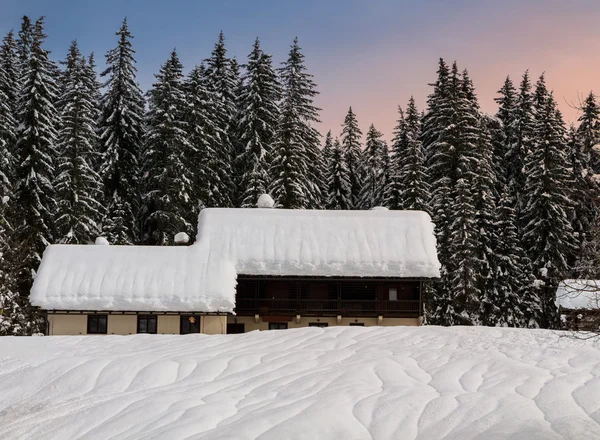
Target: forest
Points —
{"points": [[84, 154]]}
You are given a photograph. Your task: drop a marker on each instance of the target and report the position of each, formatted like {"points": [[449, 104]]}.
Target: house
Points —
{"points": [[578, 302], [249, 269]]}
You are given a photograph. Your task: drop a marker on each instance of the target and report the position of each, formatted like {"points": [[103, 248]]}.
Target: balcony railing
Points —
{"points": [[264, 306]]}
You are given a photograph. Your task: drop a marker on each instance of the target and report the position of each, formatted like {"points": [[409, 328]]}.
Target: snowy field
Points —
{"points": [[336, 383]]}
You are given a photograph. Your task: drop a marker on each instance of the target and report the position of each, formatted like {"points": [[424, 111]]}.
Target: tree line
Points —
{"points": [[512, 195]]}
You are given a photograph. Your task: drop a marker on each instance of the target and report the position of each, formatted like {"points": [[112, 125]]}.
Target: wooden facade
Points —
{"points": [[349, 297]]}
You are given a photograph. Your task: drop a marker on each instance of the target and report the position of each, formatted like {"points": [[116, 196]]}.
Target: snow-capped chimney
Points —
{"points": [[181, 238], [379, 208], [265, 201], [101, 241]]}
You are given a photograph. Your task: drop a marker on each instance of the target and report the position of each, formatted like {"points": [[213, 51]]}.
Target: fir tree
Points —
{"points": [[409, 188], [589, 131], [326, 153], [548, 234], [516, 154], [167, 180], [584, 192], [373, 190], [24, 45], [9, 63], [295, 165], [121, 137], [506, 151], [257, 124], [205, 134], [95, 99], [338, 180], [78, 186], [221, 79], [35, 205], [351, 143]]}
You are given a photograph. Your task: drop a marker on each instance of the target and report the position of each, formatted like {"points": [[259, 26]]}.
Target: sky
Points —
{"points": [[371, 55]]}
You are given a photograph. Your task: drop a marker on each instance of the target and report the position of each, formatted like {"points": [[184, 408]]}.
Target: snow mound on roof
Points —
{"points": [[202, 277], [578, 294], [323, 243], [144, 278], [335, 383]]}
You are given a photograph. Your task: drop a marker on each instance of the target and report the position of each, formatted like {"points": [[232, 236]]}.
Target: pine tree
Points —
{"points": [[167, 180], [9, 63], [35, 205], [351, 143], [205, 134], [584, 193], [506, 151], [221, 79], [95, 99], [78, 186], [373, 190], [511, 302], [326, 153], [338, 180], [295, 165], [24, 44], [589, 131], [515, 156], [409, 187], [257, 124], [121, 138], [548, 234]]}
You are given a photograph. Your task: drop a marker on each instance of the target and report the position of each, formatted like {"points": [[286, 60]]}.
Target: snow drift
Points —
{"points": [[202, 277], [341, 382]]}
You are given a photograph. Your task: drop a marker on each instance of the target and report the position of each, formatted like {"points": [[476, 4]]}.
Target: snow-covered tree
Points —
{"points": [[506, 151], [23, 45], [78, 186], [338, 179], [121, 139], [222, 81], [257, 124], [35, 205], [373, 188], [409, 187], [548, 234], [296, 153], [167, 180], [589, 131], [205, 134], [9, 63], [351, 144]]}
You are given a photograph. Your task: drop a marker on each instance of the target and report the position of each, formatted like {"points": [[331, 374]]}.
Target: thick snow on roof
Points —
{"points": [[578, 294], [323, 243], [202, 277], [381, 383]]}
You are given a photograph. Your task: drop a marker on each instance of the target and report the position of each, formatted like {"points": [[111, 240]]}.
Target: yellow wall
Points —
{"points": [[122, 324], [67, 324], [250, 323], [210, 325], [168, 324], [214, 325]]}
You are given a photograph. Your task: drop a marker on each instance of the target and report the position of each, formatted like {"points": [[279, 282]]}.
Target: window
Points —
{"points": [[357, 324], [278, 325], [189, 324], [318, 324], [146, 324], [234, 329], [393, 294], [96, 324]]}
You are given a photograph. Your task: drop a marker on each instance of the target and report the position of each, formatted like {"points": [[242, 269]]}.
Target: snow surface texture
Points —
{"points": [[336, 383], [578, 294], [202, 277]]}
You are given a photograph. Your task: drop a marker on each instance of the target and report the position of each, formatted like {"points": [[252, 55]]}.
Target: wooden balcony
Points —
{"points": [[327, 307]]}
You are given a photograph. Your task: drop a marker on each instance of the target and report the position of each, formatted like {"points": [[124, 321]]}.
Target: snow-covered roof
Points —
{"points": [[578, 294], [202, 277]]}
